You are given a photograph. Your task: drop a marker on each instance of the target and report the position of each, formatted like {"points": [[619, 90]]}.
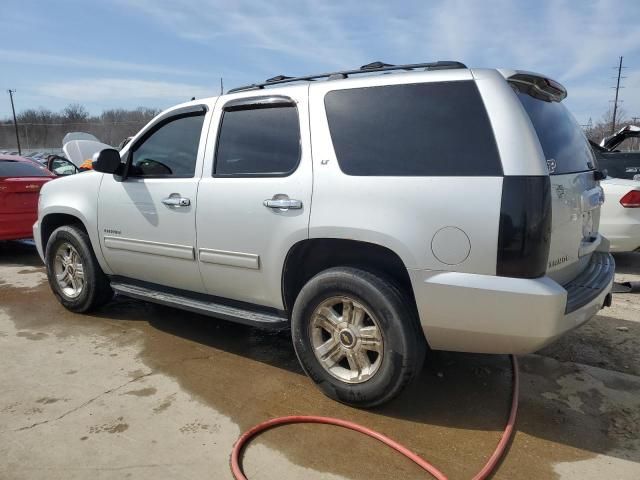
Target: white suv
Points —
{"points": [[374, 213]]}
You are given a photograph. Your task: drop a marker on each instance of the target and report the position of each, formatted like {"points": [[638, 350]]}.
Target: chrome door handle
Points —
{"points": [[175, 200], [283, 203]]}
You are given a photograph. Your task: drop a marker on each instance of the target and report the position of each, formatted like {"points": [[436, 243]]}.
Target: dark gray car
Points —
{"points": [[619, 164]]}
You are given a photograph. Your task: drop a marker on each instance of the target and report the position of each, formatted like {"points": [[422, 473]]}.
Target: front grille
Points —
{"points": [[591, 282]]}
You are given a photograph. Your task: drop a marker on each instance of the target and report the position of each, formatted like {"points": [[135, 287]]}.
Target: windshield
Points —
{"points": [[565, 146]]}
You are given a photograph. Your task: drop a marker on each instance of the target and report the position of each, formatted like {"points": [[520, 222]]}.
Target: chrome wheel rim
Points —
{"points": [[69, 270], [347, 340]]}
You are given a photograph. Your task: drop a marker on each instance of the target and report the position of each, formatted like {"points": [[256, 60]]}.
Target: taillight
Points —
{"points": [[524, 236], [631, 199]]}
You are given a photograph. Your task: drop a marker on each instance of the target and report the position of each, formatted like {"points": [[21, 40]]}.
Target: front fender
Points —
{"points": [[77, 196]]}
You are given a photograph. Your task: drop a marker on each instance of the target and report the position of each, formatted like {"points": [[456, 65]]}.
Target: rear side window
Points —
{"points": [[425, 129], [565, 147], [258, 141], [13, 168]]}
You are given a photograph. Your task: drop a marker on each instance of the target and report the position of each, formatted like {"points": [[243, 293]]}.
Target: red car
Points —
{"points": [[20, 183]]}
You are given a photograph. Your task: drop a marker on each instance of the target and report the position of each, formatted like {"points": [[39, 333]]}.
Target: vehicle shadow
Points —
{"points": [[19, 252], [627, 263]]}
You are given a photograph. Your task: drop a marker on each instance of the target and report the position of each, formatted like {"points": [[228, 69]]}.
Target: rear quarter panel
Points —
{"points": [[401, 213]]}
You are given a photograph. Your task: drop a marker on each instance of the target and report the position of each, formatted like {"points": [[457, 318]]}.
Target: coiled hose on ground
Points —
{"points": [[488, 468]]}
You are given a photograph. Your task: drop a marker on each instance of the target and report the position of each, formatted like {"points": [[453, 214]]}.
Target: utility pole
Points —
{"points": [[615, 102], [15, 122]]}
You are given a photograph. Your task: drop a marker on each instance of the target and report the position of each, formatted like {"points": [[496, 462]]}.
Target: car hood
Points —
{"points": [[80, 150], [611, 142]]}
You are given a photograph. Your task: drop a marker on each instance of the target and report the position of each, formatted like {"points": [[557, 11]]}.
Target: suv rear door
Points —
{"points": [[254, 198], [575, 194]]}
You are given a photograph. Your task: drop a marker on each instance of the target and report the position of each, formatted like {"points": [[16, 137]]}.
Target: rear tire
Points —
{"points": [[357, 336], [73, 270]]}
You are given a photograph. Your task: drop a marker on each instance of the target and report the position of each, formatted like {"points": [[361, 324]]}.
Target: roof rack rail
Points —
{"points": [[368, 68]]}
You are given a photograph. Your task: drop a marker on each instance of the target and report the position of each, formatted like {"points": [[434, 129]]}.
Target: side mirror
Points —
{"points": [[107, 161], [61, 166]]}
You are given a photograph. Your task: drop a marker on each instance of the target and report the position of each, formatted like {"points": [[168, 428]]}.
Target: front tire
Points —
{"points": [[74, 274], [357, 336]]}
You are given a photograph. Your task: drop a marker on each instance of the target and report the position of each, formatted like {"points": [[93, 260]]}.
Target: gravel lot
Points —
{"points": [[142, 391]]}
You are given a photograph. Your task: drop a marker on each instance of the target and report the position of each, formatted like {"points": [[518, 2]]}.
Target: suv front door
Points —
{"points": [[254, 198], [146, 220]]}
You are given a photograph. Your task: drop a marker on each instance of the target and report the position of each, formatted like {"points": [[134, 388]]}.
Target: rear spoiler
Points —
{"points": [[538, 86]]}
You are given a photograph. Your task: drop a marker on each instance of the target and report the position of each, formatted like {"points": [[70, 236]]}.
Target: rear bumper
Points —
{"points": [[490, 314]]}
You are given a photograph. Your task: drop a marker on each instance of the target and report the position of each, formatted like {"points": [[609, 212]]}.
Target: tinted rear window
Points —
{"points": [[425, 129], [258, 141], [564, 144], [13, 168]]}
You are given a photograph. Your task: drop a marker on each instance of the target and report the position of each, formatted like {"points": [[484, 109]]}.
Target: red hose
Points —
{"points": [[421, 462]]}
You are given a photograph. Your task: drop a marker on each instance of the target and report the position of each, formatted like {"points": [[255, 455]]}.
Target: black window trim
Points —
{"points": [[500, 172], [177, 114], [256, 103]]}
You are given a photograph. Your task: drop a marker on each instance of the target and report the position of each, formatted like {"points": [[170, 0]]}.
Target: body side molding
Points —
{"points": [[153, 248]]}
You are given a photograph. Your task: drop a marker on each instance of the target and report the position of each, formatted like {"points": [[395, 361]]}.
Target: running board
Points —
{"points": [[202, 306]]}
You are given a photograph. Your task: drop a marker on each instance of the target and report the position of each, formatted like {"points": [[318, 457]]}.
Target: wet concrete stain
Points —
{"points": [[118, 426], [32, 335], [165, 404], [143, 392], [452, 414], [136, 373], [195, 427], [47, 400], [10, 408]]}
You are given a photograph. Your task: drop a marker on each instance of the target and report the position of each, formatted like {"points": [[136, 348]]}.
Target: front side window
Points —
{"points": [[170, 151], [258, 141], [423, 129]]}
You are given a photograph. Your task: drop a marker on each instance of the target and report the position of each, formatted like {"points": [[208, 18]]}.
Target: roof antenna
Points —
{"points": [[221, 86]]}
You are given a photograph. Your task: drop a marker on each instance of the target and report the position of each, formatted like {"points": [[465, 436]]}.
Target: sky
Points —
{"points": [[156, 53]]}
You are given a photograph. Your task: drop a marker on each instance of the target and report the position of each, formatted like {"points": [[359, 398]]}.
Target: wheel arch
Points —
{"points": [[52, 220], [308, 257]]}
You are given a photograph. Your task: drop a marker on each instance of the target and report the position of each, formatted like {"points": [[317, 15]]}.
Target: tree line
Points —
{"points": [[41, 128]]}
